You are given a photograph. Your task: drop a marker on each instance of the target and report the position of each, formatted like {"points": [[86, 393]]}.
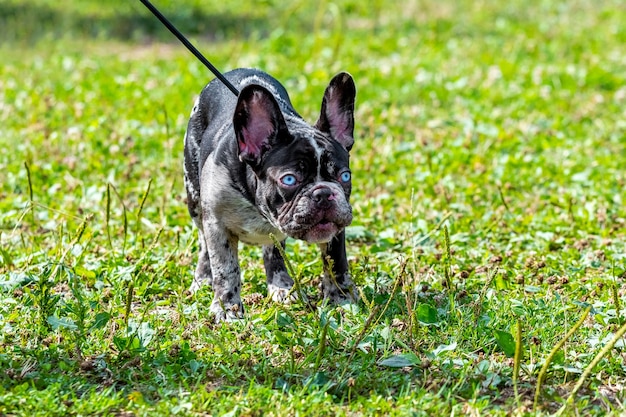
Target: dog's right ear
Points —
{"points": [[258, 122]]}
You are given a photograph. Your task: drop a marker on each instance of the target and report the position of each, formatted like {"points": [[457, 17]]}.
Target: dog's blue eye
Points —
{"points": [[346, 176], [289, 180]]}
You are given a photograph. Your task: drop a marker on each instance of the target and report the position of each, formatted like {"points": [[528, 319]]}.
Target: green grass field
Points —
{"points": [[489, 202]]}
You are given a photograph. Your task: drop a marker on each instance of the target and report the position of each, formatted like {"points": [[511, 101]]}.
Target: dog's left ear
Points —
{"points": [[337, 115]]}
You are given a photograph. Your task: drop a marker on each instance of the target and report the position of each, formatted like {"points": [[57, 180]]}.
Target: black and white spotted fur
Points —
{"points": [[253, 167]]}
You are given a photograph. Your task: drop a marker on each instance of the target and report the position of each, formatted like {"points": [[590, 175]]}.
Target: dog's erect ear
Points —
{"points": [[337, 115], [258, 122]]}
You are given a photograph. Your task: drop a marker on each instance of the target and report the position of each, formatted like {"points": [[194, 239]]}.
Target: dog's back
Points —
{"points": [[211, 120]]}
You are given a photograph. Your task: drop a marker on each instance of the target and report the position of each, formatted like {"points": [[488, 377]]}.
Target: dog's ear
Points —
{"points": [[337, 115], [258, 123]]}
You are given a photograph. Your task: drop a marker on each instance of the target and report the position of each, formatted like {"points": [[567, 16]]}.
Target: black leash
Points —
{"points": [[189, 46]]}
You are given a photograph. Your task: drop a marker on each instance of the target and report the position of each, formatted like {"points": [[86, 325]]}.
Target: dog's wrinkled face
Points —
{"points": [[307, 197], [302, 171]]}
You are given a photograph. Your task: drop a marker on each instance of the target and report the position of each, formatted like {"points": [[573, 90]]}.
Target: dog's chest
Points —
{"points": [[224, 204], [244, 220]]}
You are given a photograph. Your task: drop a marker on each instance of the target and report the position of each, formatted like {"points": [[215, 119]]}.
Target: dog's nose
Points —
{"points": [[323, 197]]}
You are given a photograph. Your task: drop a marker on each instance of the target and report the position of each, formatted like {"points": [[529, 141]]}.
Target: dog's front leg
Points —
{"points": [[222, 250], [337, 285], [279, 283]]}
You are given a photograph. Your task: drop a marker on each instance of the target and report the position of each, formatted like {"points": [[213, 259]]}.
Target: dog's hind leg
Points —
{"points": [[203, 274], [192, 185]]}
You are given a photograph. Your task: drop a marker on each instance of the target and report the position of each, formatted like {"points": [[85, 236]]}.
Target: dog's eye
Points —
{"points": [[289, 180], [345, 176]]}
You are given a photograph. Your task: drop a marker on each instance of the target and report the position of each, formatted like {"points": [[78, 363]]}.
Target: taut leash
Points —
{"points": [[189, 46]]}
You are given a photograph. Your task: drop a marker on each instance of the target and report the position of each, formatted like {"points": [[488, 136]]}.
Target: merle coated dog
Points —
{"points": [[254, 167]]}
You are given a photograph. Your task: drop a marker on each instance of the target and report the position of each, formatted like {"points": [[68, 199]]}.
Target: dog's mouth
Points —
{"points": [[321, 232], [306, 219]]}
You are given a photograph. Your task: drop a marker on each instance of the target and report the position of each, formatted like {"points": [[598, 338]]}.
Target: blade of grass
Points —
{"points": [[77, 236], [322, 346], [124, 214], [108, 215], [30, 191], [143, 201], [570, 400], [517, 360], [544, 368]]}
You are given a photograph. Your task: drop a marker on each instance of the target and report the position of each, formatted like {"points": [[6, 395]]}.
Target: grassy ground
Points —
{"points": [[500, 125]]}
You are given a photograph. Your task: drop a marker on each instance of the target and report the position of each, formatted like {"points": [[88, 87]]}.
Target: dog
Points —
{"points": [[254, 168]]}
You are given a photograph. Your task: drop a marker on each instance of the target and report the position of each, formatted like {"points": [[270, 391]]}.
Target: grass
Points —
{"points": [[489, 172]]}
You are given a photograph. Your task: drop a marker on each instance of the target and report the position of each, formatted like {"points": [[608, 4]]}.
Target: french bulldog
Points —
{"points": [[253, 167]]}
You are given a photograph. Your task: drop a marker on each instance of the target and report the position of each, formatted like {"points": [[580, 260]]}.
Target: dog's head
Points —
{"points": [[302, 172]]}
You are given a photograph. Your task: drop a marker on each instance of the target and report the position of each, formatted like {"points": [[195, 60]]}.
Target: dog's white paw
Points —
{"points": [[282, 295], [228, 313], [198, 283]]}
